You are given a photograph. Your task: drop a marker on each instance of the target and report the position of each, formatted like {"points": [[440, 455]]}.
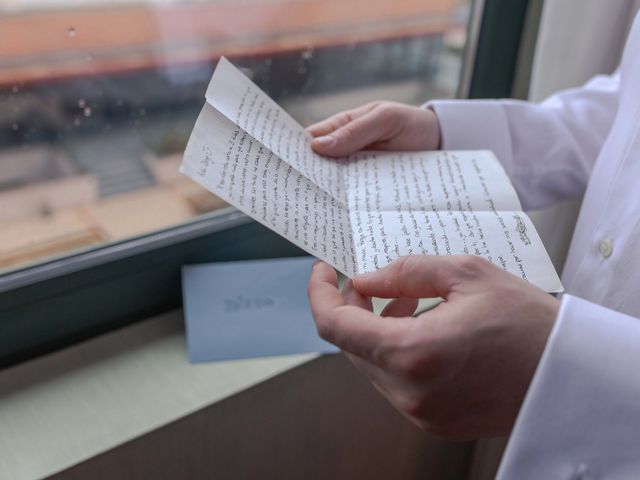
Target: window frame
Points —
{"points": [[62, 301]]}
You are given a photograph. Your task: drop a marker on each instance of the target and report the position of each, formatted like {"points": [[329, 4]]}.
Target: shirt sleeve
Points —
{"points": [[581, 416], [548, 149]]}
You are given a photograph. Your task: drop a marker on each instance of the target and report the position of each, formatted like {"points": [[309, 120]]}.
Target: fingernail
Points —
{"points": [[325, 141], [363, 276]]}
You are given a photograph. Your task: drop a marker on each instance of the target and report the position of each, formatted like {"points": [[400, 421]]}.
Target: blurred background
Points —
{"points": [[97, 98]]}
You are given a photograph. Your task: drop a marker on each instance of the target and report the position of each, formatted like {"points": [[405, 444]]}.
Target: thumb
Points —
{"points": [[351, 137], [416, 276]]}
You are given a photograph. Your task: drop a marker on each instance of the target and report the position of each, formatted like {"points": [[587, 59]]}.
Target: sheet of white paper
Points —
{"points": [[439, 180], [362, 212], [240, 100], [227, 161], [507, 239]]}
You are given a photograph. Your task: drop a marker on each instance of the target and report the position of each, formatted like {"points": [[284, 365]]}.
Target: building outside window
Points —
{"points": [[97, 98]]}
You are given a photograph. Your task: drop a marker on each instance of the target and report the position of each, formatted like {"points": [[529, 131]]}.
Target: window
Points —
{"points": [[97, 100]]}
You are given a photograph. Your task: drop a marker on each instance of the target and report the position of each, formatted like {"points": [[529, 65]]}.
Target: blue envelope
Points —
{"points": [[249, 309]]}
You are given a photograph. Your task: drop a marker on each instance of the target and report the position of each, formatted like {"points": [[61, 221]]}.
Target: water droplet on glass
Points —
{"points": [[248, 72], [87, 111], [82, 103], [15, 89], [46, 210], [88, 58], [72, 32], [308, 53], [267, 62], [15, 127], [301, 70], [143, 112], [76, 121]]}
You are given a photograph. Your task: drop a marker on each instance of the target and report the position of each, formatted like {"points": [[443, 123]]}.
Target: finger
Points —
{"points": [[369, 370], [336, 121], [353, 297], [385, 145], [390, 387], [381, 379], [386, 383], [351, 328], [416, 276], [353, 136], [400, 307]]}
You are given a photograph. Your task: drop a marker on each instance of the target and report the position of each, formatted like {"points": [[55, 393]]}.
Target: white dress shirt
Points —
{"points": [[581, 416]]}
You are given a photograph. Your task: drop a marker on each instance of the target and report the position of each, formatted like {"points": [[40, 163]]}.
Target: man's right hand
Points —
{"points": [[459, 370], [376, 126]]}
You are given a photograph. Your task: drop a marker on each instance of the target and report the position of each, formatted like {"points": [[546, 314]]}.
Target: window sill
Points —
{"points": [[63, 408]]}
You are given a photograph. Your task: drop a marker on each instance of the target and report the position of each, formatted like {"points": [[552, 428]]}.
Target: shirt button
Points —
{"points": [[606, 247]]}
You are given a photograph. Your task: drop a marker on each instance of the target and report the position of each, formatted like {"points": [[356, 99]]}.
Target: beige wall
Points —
{"points": [[577, 39]]}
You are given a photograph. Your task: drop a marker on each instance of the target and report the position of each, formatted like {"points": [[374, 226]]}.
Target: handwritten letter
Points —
{"points": [[362, 212]]}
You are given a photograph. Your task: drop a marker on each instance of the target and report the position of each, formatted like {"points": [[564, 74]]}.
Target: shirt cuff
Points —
{"points": [[474, 125], [581, 416]]}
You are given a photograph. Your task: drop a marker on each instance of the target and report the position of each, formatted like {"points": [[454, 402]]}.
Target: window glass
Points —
{"points": [[97, 98]]}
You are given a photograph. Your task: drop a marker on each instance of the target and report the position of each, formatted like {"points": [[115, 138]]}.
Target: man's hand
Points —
{"points": [[376, 126], [460, 370]]}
